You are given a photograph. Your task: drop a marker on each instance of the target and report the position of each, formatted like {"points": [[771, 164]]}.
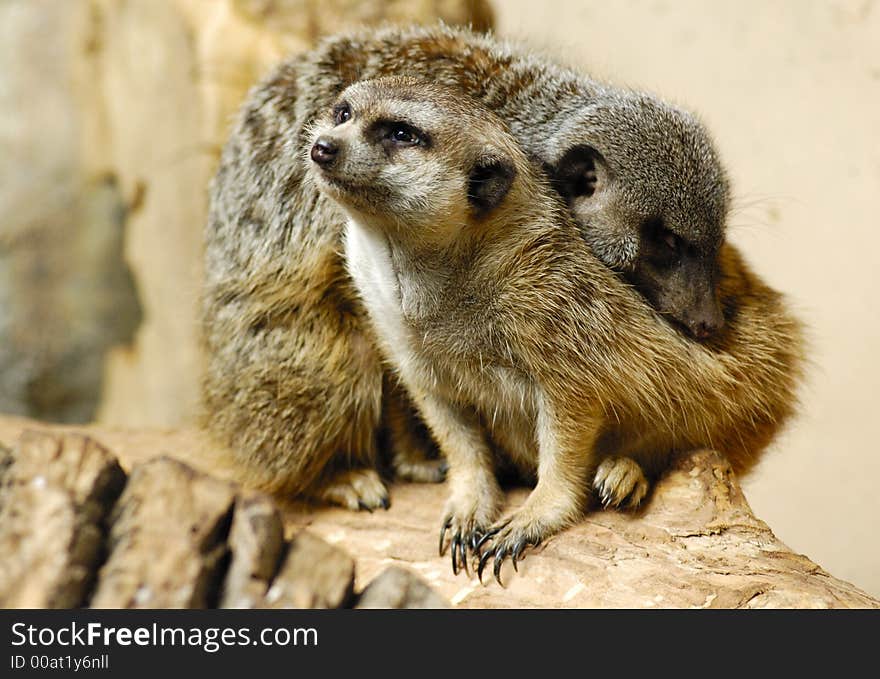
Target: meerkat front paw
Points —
{"points": [[354, 489], [509, 538], [528, 527], [620, 482], [467, 519]]}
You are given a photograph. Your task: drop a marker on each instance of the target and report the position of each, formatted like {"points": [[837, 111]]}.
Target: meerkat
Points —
{"points": [[508, 331], [294, 385]]}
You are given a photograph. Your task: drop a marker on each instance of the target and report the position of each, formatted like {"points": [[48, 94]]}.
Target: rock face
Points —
{"points": [[167, 544], [174, 538], [112, 116], [257, 543], [181, 537], [55, 497], [314, 574], [397, 587]]}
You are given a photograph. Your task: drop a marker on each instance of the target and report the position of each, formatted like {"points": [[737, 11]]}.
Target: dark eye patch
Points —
{"points": [[660, 245]]}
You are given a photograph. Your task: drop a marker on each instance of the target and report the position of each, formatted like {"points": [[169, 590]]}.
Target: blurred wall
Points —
{"points": [[791, 90], [66, 293]]}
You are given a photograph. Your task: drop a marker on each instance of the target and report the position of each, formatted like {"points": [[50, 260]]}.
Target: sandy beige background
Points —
{"points": [[791, 90]]}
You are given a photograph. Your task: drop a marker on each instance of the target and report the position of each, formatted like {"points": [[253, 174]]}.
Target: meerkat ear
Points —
{"points": [[489, 181], [580, 172]]}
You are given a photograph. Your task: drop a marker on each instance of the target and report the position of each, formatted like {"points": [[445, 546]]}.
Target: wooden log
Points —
{"points": [[314, 574], [257, 543], [695, 544], [398, 587], [167, 540], [55, 494]]}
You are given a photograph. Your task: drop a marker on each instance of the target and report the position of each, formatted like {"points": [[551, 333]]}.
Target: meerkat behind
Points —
{"points": [[506, 329]]}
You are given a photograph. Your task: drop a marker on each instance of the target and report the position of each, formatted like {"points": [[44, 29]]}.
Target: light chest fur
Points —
{"points": [[504, 398]]}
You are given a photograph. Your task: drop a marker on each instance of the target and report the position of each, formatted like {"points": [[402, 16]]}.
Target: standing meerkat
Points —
{"points": [[508, 332], [293, 383]]}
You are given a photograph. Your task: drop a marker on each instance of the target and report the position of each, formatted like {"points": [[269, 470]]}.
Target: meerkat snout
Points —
{"points": [[324, 150], [679, 279], [705, 320], [691, 304]]}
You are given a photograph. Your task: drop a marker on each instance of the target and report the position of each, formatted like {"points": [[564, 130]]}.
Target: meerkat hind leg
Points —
{"points": [[354, 489], [414, 455], [620, 482]]}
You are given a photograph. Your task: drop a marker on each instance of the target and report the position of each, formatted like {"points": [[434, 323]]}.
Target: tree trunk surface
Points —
{"points": [[182, 534]]}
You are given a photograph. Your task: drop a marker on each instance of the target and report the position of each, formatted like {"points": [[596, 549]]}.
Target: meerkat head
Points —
{"points": [[412, 156], [644, 180]]}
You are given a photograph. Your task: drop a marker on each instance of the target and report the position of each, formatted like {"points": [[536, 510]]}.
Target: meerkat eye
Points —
{"points": [[341, 113], [404, 135]]}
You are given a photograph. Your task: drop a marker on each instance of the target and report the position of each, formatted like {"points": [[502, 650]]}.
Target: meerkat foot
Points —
{"points": [[512, 537], [355, 489], [419, 469], [620, 482], [467, 522]]}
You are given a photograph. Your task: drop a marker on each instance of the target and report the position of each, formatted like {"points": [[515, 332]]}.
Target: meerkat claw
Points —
{"points": [[504, 549], [484, 559], [488, 536], [518, 549], [447, 522], [500, 555], [459, 553], [476, 536], [463, 554], [620, 482], [464, 536]]}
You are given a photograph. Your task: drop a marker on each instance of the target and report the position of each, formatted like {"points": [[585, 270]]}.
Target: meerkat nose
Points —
{"points": [[324, 151], [701, 330], [704, 328]]}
